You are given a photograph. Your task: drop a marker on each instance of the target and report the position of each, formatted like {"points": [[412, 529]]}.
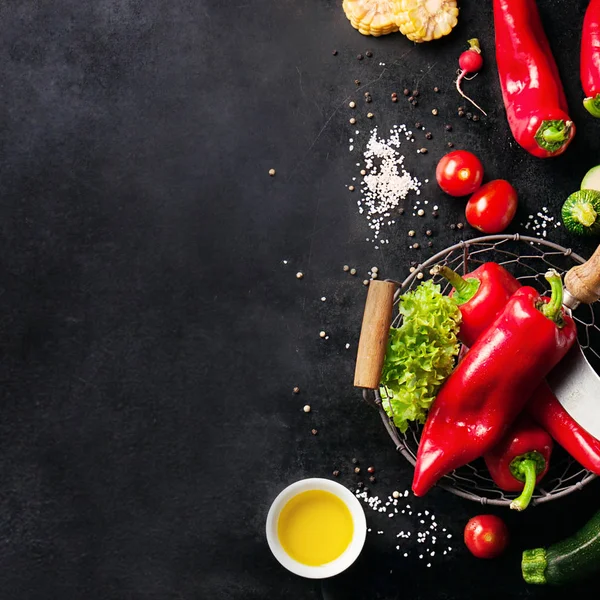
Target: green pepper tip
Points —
{"points": [[553, 309], [465, 288], [592, 105], [526, 468], [552, 135]]}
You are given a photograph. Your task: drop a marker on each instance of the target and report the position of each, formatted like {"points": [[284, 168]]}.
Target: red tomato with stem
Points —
{"points": [[492, 207], [486, 536], [459, 173]]}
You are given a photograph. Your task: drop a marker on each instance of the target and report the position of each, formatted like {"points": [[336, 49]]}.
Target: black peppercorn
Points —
{"points": [[406, 92], [452, 226], [463, 108], [368, 99], [430, 244], [475, 117], [410, 98], [336, 473], [368, 53], [415, 93], [429, 135], [460, 225], [461, 113], [448, 127], [360, 57], [429, 233], [418, 125], [436, 89], [450, 145], [334, 53], [400, 211], [414, 103], [435, 214]]}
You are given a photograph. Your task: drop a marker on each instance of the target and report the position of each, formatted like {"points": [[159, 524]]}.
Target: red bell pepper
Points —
{"points": [[481, 295], [492, 383], [520, 460], [545, 408], [533, 94], [590, 58]]}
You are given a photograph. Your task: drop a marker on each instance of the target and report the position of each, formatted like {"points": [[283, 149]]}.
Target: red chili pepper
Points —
{"points": [[520, 460], [481, 296], [533, 94], [492, 383], [545, 408], [590, 58]]}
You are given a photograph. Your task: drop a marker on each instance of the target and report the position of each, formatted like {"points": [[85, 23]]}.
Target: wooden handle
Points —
{"points": [[583, 282], [374, 334]]}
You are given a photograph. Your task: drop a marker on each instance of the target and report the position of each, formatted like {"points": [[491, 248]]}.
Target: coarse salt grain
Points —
{"points": [[387, 182]]}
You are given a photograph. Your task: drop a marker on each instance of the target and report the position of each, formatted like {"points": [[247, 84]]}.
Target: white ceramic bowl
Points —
{"points": [[352, 551]]}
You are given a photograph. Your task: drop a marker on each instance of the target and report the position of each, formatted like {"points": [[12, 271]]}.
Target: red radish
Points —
{"points": [[470, 61]]}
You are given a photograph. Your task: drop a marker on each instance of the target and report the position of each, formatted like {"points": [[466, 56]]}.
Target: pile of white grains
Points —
{"points": [[385, 183], [434, 538]]}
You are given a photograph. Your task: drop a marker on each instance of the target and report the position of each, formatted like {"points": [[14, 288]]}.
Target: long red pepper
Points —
{"points": [[520, 460], [545, 408], [492, 383], [478, 311], [590, 58], [533, 94], [481, 295]]}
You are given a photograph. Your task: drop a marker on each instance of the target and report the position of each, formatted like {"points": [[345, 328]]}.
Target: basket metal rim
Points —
{"points": [[390, 427]]}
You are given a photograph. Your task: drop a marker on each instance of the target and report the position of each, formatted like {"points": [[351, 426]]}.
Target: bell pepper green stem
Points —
{"points": [[552, 134], [553, 309], [465, 288], [528, 469], [533, 566], [592, 105]]}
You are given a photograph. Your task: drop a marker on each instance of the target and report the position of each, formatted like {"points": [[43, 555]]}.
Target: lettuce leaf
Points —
{"points": [[420, 355]]}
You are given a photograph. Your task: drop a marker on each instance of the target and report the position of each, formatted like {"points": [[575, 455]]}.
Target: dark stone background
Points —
{"points": [[151, 334]]}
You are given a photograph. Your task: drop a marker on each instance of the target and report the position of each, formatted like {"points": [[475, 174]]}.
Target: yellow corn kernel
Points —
{"points": [[372, 17], [426, 20]]}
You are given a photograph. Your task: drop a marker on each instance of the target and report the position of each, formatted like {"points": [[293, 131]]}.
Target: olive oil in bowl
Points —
{"points": [[315, 527]]}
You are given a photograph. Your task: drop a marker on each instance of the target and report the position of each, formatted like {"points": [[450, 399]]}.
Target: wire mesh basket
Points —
{"points": [[527, 258]]}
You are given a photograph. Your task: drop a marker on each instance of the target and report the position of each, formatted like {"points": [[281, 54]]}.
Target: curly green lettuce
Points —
{"points": [[420, 355]]}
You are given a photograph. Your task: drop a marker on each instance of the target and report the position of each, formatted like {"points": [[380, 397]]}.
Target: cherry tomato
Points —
{"points": [[486, 536], [492, 207], [459, 173]]}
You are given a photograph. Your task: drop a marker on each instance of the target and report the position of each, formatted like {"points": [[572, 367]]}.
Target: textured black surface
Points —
{"points": [[151, 334]]}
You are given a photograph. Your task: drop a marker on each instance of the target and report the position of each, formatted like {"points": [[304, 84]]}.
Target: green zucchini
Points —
{"points": [[568, 561], [581, 212]]}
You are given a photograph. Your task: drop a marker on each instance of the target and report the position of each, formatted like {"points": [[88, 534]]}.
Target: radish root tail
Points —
{"points": [[458, 82]]}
